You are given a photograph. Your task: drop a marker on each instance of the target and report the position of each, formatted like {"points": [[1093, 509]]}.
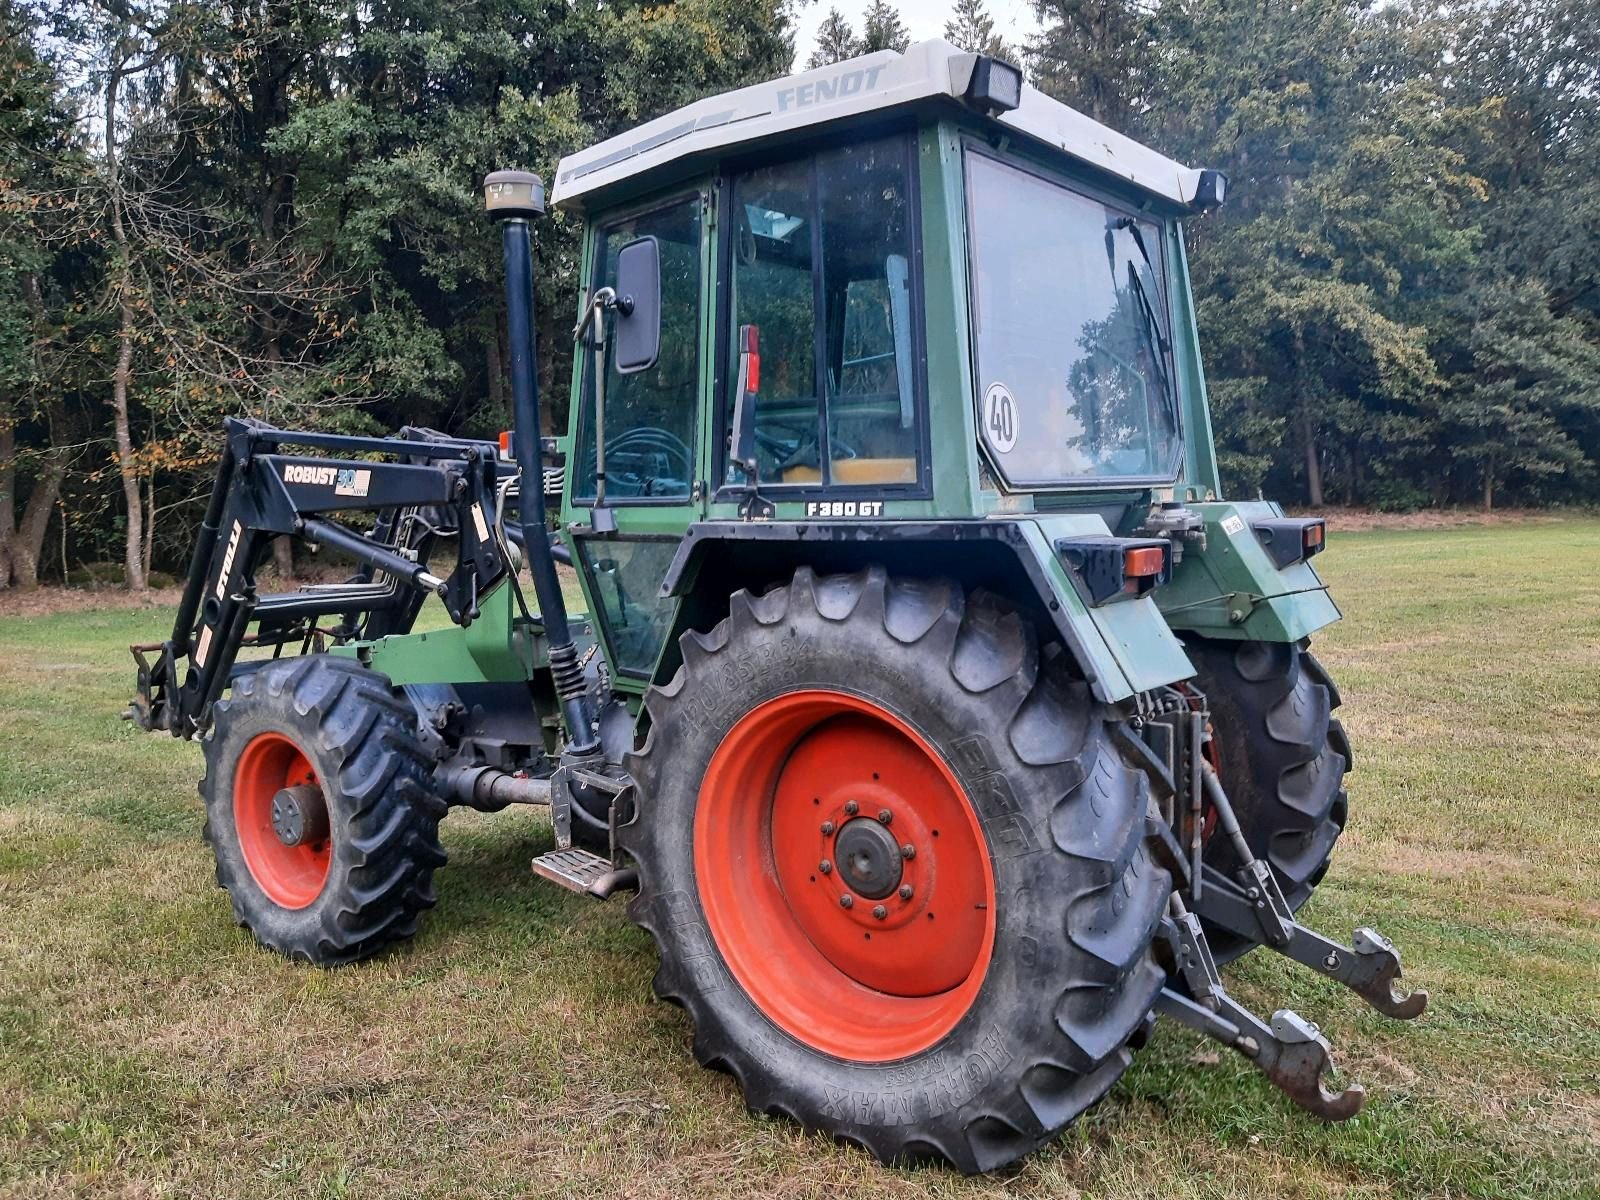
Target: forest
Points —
{"points": [[272, 208]]}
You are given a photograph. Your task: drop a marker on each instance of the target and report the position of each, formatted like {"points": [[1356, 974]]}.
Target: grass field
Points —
{"points": [[148, 1048]]}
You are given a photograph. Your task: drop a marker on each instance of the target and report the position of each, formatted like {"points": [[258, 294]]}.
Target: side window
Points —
{"points": [[626, 576], [650, 415], [821, 290]]}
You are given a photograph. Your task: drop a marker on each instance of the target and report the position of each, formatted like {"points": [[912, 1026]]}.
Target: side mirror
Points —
{"points": [[638, 288]]}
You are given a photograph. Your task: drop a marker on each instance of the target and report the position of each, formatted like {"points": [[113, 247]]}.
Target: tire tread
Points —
{"points": [[1104, 924], [350, 716]]}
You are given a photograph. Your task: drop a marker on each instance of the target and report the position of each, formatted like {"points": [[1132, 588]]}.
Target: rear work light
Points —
{"points": [[994, 86], [1111, 568], [1290, 540]]}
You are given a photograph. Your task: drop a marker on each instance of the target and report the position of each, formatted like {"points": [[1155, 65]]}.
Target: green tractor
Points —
{"points": [[948, 722]]}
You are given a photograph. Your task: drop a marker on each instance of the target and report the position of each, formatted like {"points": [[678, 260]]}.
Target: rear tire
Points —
{"points": [[336, 734], [1282, 758], [975, 1046]]}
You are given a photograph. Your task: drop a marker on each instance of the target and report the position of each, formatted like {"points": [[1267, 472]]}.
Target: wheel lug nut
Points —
{"points": [[825, 866], [908, 851], [851, 808], [880, 912], [884, 816], [847, 901], [827, 828], [906, 892]]}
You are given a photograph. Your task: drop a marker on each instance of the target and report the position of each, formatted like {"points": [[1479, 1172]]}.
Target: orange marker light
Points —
{"points": [[752, 351], [505, 443], [1144, 560], [1313, 540]]}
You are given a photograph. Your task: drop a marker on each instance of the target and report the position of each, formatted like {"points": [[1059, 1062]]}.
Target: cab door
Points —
{"points": [[650, 452]]}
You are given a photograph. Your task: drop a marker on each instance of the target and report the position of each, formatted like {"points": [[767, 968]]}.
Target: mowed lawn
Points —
{"points": [[148, 1048]]}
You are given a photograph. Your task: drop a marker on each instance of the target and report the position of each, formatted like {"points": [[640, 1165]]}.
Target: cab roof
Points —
{"points": [[872, 84]]}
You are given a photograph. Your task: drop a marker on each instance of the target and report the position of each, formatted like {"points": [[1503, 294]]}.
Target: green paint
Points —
{"points": [[499, 647], [1232, 589], [1129, 645]]}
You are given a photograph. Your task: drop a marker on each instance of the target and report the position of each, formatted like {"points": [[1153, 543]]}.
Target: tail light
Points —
{"points": [[1290, 540], [1112, 568]]}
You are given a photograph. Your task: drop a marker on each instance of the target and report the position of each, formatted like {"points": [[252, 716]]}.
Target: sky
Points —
{"points": [[1013, 20]]}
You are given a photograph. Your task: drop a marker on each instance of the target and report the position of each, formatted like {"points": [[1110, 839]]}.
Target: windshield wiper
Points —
{"points": [[1150, 323]]}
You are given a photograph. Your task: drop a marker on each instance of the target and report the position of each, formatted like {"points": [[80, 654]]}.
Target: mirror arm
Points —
{"points": [[593, 325], [602, 299], [597, 339]]}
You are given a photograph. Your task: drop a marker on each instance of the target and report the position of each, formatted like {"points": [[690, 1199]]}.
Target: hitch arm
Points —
{"points": [[1290, 1050], [1370, 968], [1257, 908]]}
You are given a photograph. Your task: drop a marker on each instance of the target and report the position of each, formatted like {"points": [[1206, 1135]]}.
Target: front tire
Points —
{"points": [[975, 995], [319, 810]]}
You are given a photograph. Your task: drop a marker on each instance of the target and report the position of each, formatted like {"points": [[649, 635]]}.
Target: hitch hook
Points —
{"points": [[1298, 1059], [1255, 908], [1373, 974], [1290, 1051]]}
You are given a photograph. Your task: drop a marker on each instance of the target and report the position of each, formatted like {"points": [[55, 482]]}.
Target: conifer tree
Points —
{"points": [[882, 28], [972, 28], [836, 41]]}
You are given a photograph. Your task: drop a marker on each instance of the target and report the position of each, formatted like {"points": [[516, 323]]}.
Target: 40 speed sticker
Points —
{"points": [[1000, 418]]}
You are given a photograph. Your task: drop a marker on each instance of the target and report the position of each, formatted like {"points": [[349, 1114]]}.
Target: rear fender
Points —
{"points": [[1232, 588], [1121, 648]]}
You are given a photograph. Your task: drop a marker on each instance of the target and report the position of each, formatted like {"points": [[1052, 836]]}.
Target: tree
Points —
{"points": [[836, 41], [882, 28], [281, 214], [1091, 55], [39, 159], [972, 28], [1519, 340], [1524, 397]]}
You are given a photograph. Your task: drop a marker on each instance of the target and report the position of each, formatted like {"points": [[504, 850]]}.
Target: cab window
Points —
{"points": [[650, 415], [822, 296]]}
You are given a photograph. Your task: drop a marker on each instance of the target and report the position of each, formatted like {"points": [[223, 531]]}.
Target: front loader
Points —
{"points": [[948, 722]]}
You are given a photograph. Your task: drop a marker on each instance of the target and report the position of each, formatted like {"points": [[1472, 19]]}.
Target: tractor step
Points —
{"points": [[582, 871]]}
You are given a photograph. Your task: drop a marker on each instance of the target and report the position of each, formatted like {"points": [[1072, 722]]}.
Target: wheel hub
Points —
{"points": [[300, 815], [280, 815], [869, 858]]}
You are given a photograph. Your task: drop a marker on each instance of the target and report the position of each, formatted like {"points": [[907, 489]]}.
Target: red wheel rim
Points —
{"points": [[890, 974], [291, 876]]}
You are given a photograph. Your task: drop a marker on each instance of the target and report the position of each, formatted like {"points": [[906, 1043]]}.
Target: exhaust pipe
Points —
{"points": [[513, 198]]}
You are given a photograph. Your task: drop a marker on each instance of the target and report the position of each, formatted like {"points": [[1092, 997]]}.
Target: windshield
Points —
{"points": [[1069, 315]]}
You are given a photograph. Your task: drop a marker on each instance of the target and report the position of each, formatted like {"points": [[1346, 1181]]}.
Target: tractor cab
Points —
{"points": [[901, 288]]}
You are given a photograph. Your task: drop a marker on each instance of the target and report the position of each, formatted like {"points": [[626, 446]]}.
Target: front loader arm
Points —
{"points": [[424, 485]]}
